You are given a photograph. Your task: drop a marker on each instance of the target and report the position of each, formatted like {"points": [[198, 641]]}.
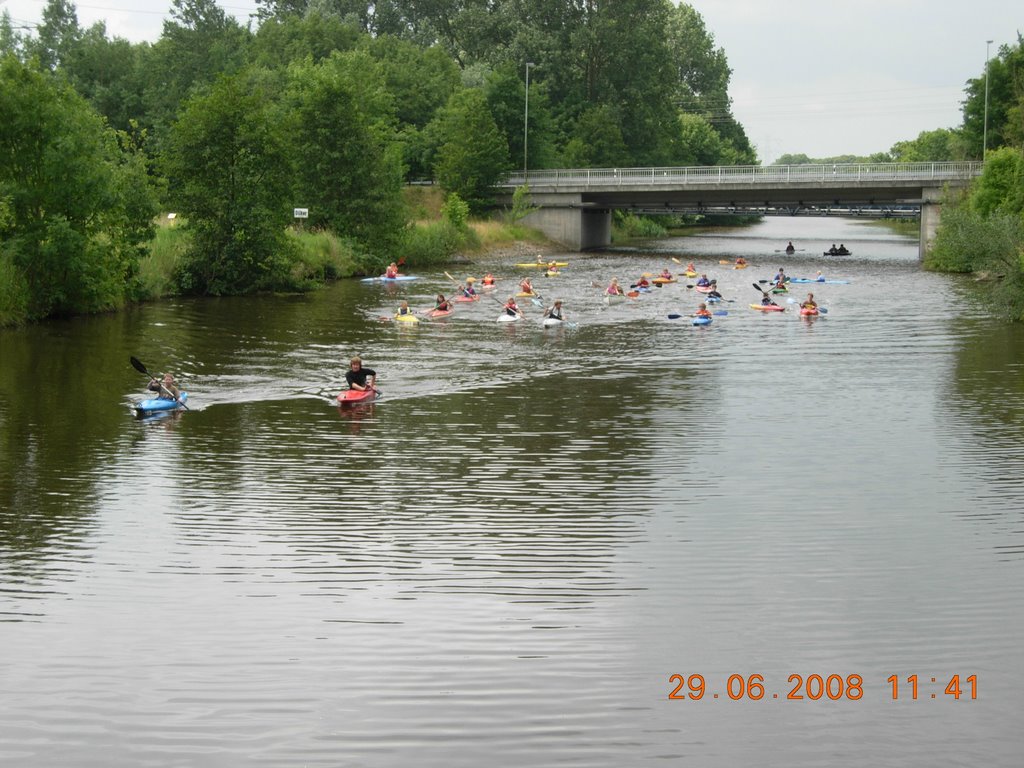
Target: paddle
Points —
{"points": [[138, 366], [821, 310], [719, 313], [765, 293]]}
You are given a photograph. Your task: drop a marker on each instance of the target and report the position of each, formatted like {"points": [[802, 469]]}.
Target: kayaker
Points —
{"points": [[703, 281], [666, 274], [819, 278], [554, 311], [713, 293], [467, 290], [780, 279], [165, 386], [511, 307], [643, 282], [809, 302], [766, 301], [690, 267], [790, 248], [526, 286], [832, 251], [702, 311], [356, 376], [842, 250], [553, 267], [614, 289], [404, 308], [392, 270], [488, 279], [441, 304]]}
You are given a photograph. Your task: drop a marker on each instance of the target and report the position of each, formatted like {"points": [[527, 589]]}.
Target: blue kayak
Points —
{"points": [[701, 321], [382, 279], [160, 404]]}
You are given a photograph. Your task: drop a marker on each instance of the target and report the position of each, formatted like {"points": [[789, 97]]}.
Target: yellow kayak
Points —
{"points": [[543, 265], [525, 295], [406, 319]]}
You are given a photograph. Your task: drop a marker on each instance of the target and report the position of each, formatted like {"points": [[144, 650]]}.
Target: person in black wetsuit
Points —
{"points": [[357, 376]]}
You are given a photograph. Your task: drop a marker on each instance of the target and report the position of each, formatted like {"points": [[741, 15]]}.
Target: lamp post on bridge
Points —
{"points": [[984, 130], [526, 125]]}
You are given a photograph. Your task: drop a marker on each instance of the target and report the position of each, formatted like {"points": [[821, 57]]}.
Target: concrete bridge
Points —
{"points": [[576, 205]]}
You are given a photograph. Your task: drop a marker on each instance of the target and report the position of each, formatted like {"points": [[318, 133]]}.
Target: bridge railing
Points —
{"points": [[752, 174]]}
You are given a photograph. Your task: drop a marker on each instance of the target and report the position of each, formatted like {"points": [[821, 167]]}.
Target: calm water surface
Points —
{"points": [[504, 560]]}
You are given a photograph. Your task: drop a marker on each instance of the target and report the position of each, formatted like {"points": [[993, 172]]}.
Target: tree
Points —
{"points": [[471, 153], [228, 173], [58, 35], [930, 146], [347, 158], [199, 43], [1005, 85], [78, 207], [506, 99]]}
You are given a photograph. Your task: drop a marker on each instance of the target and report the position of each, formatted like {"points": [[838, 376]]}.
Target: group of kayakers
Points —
{"points": [[833, 251]]}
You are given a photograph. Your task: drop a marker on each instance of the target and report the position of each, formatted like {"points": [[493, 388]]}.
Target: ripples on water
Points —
{"points": [[504, 559]]}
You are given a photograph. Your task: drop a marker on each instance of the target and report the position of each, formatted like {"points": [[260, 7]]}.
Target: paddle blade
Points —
{"points": [[758, 287], [674, 316], [720, 313], [138, 366], [822, 310]]}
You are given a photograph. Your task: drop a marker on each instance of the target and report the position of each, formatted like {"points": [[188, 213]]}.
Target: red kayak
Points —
{"points": [[356, 396], [768, 307], [437, 313], [808, 312], [467, 298]]}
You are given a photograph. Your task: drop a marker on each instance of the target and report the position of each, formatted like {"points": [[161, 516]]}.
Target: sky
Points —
{"points": [[813, 78]]}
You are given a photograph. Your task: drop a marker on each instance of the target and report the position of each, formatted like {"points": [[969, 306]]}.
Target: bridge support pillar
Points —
{"points": [[931, 214], [565, 220]]}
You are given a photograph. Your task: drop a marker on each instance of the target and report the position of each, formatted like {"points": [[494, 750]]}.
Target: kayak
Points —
{"points": [[806, 312], [355, 396], [840, 253], [525, 295], [505, 317], [411, 319], [740, 266], [437, 313], [701, 320], [780, 290], [768, 307], [713, 299], [550, 322], [663, 280], [382, 279], [613, 298], [467, 298], [542, 265], [552, 273], [689, 274], [703, 289], [156, 405]]}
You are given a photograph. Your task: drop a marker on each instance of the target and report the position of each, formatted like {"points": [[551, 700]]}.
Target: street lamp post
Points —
{"points": [[526, 124], [984, 130]]}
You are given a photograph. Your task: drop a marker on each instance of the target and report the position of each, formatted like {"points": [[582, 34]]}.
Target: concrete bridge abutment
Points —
{"points": [[566, 220]]}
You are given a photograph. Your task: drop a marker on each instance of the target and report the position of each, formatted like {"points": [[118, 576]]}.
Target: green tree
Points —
{"points": [[78, 207], [1005, 81], [597, 141], [931, 146], [347, 159], [471, 152], [506, 99], [58, 36], [1000, 189], [199, 43], [282, 40], [228, 172]]}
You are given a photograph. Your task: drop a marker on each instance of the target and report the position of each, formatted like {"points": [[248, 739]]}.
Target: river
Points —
{"points": [[505, 560]]}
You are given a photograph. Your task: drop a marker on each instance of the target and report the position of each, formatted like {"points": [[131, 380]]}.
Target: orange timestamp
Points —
{"points": [[815, 687]]}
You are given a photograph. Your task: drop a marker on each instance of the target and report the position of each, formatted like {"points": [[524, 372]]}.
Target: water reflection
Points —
{"points": [[504, 558]]}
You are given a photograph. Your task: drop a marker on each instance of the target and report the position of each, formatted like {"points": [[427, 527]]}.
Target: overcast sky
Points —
{"points": [[822, 79]]}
